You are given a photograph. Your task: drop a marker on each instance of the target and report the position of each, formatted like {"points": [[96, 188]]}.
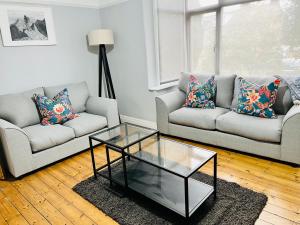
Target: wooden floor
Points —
{"points": [[46, 197]]}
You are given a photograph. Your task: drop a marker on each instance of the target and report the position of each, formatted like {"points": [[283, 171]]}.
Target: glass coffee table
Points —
{"points": [[158, 168]]}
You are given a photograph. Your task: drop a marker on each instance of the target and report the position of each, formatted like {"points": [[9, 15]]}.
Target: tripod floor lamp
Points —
{"points": [[102, 38]]}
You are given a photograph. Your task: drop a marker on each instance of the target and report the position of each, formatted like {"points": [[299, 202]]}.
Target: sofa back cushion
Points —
{"points": [[20, 109], [283, 100], [78, 94], [225, 85]]}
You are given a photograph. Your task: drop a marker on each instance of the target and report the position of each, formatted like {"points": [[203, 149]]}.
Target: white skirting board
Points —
{"points": [[137, 121]]}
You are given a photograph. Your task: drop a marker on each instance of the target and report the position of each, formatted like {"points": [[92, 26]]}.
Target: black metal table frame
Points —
{"points": [[125, 155]]}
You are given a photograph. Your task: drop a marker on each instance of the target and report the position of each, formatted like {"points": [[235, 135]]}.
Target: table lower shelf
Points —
{"points": [[164, 188]]}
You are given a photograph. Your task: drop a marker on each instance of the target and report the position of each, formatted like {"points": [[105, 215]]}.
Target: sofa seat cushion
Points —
{"points": [[199, 118], [44, 137], [261, 129], [86, 123]]}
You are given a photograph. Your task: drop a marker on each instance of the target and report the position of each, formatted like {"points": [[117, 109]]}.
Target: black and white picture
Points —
{"points": [[27, 26]]}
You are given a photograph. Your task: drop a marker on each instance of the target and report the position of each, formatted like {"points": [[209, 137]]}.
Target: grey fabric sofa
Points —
{"points": [[27, 145], [275, 138]]}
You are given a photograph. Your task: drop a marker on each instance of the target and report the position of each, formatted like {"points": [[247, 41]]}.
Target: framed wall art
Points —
{"points": [[26, 25]]}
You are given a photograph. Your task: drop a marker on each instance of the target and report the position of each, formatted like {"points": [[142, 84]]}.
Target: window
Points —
{"points": [[261, 38], [247, 37]]}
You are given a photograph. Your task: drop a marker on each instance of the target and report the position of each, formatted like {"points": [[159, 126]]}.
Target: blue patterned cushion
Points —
{"points": [[201, 95], [57, 110], [255, 100]]}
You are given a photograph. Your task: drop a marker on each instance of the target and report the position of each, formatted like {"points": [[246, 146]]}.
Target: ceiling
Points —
{"points": [[76, 3]]}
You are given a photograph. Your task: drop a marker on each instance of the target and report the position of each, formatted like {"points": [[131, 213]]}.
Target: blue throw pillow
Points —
{"points": [[201, 95], [256, 100], [57, 110]]}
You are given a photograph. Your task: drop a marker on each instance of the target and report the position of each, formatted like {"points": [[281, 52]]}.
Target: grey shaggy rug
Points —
{"points": [[234, 204]]}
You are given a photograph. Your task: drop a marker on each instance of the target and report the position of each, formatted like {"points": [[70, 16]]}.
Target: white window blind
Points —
{"points": [[171, 39], [202, 42]]}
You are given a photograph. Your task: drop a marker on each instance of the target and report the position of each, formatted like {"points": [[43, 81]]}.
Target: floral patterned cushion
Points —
{"points": [[256, 100], [201, 95], [57, 110]]}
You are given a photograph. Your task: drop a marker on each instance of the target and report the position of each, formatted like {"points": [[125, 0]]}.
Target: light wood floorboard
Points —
{"points": [[46, 196]]}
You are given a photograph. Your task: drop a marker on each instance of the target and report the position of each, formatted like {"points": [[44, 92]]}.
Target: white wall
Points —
{"points": [[128, 61], [23, 68]]}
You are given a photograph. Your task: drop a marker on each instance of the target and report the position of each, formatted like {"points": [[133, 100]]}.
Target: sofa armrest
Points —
{"points": [[290, 143], [165, 104], [16, 147], [104, 107]]}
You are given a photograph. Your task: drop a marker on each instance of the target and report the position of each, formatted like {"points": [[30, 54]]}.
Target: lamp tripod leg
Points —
{"points": [[100, 72], [108, 79]]}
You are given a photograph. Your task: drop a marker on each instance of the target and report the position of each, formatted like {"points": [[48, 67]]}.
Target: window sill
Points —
{"points": [[164, 86]]}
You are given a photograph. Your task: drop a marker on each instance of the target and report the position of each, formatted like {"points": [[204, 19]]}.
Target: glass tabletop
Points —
{"points": [[123, 135], [176, 157]]}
